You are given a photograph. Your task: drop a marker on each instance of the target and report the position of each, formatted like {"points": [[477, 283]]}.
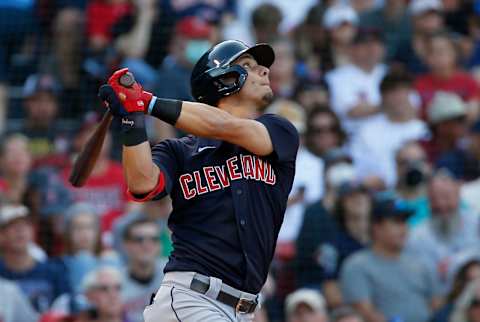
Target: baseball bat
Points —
{"points": [[85, 162]]}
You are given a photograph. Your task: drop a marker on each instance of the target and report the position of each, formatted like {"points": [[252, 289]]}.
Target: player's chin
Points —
{"points": [[267, 98]]}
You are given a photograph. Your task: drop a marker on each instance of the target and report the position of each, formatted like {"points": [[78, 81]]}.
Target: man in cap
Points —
{"points": [[355, 87], [305, 305], [41, 282], [383, 282], [447, 118]]}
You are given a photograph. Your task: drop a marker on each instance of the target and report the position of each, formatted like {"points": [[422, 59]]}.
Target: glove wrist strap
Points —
{"points": [[133, 129], [167, 110]]}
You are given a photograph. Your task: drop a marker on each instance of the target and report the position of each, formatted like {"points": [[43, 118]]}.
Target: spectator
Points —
{"points": [[307, 186], [467, 307], [14, 306], [340, 22], [445, 75], [266, 19], [283, 80], [393, 21], [41, 282], [383, 282], [447, 119], [17, 26], [40, 97], [464, 162], [83, 251], [470, 190], [15, 163], [144, 272], [325, 241], [467, 273], [311, 93], [426, 18], [102, 288], [345, 314], [374, 146], [412, 173], [324, 132], [305, 305], [355, 88], [192, 38], [452, 227], [105, 189], [67, 41]]}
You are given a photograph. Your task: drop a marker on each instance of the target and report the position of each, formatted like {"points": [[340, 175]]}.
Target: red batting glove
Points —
{"points": [[134, 98]]}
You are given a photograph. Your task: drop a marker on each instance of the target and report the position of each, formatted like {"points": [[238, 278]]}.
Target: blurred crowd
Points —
{"points": [[383, 221]]}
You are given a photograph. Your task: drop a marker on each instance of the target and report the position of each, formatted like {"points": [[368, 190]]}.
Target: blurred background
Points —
{"points": [[383, 221]]}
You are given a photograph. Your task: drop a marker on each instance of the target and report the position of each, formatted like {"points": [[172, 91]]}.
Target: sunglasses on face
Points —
{"points": [[142, 239], [106, 288], [323, 130]]}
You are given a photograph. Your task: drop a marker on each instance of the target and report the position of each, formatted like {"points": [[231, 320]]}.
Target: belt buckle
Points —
{"points": [[245, 306]]}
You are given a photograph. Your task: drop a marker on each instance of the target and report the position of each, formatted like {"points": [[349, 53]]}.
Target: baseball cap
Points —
{"points": [[9, 213], [291, 111], [445, 106], [37, 83], [338, 14], [193, 27], [419, 7], [55, 198], [390, 208], [309, 297]]}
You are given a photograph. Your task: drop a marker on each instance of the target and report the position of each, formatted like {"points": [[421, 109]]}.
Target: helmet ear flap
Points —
{"points": [[221, 82]]}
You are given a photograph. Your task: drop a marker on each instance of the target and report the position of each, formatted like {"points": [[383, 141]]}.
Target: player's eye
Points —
{"points": [[246, 65]]}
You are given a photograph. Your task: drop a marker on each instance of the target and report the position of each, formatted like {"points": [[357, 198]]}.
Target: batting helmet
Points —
{"points": [[215, 66]]}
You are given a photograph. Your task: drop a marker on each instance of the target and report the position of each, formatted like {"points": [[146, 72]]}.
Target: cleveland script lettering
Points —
{"points": [[213, 178]]}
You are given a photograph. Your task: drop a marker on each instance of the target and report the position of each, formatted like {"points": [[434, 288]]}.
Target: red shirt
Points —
{"points": [[462, 84], [106, 192], [102, 15]]}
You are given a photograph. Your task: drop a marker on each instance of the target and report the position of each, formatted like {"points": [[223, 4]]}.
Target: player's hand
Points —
{"points": [[121, 99]]}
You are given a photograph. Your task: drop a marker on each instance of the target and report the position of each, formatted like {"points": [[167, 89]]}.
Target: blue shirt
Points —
{"points": [[42, 284], [228, 204]]}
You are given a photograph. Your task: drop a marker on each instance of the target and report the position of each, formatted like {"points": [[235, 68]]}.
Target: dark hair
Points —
{"points": [[266, 15], [340, 213], [134, 223], [323, 109], [395, 79], [460, 280]]}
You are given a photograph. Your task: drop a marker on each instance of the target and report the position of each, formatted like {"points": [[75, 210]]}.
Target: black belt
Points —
{"points": [[201, 284]]}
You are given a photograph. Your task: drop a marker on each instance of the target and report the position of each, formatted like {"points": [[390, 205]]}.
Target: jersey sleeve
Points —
{"points": [[164, 156], [284, 137]]}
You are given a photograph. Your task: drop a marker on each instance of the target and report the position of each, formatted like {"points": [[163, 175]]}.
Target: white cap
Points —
{"points": [[290, 110], [11, 212], [309, 297], [337, 14], [419, 7], [445, 106]]}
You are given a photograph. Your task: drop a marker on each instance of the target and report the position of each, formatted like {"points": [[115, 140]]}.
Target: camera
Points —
{"points": [[414, 174]]}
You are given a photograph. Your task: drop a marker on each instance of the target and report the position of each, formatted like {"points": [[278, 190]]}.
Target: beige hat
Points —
{"points": [[290, 110], [419, 7], [445, 106], [9, 213], [309, 297]]}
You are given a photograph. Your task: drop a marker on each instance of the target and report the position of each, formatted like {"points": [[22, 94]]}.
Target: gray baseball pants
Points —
{"points": [[176, 302]]}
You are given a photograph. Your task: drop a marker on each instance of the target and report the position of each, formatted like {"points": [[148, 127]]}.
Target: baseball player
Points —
{"points": [[229, 181]]}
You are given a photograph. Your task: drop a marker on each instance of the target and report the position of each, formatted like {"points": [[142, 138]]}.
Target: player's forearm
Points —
{"points": [[140, 172], [194, 118]]}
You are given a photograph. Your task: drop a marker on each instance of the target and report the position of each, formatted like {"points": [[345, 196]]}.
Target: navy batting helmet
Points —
{"points": [[215, 66]]}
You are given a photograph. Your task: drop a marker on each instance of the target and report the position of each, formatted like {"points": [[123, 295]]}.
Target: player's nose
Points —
{"points": [[264, 71]]}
